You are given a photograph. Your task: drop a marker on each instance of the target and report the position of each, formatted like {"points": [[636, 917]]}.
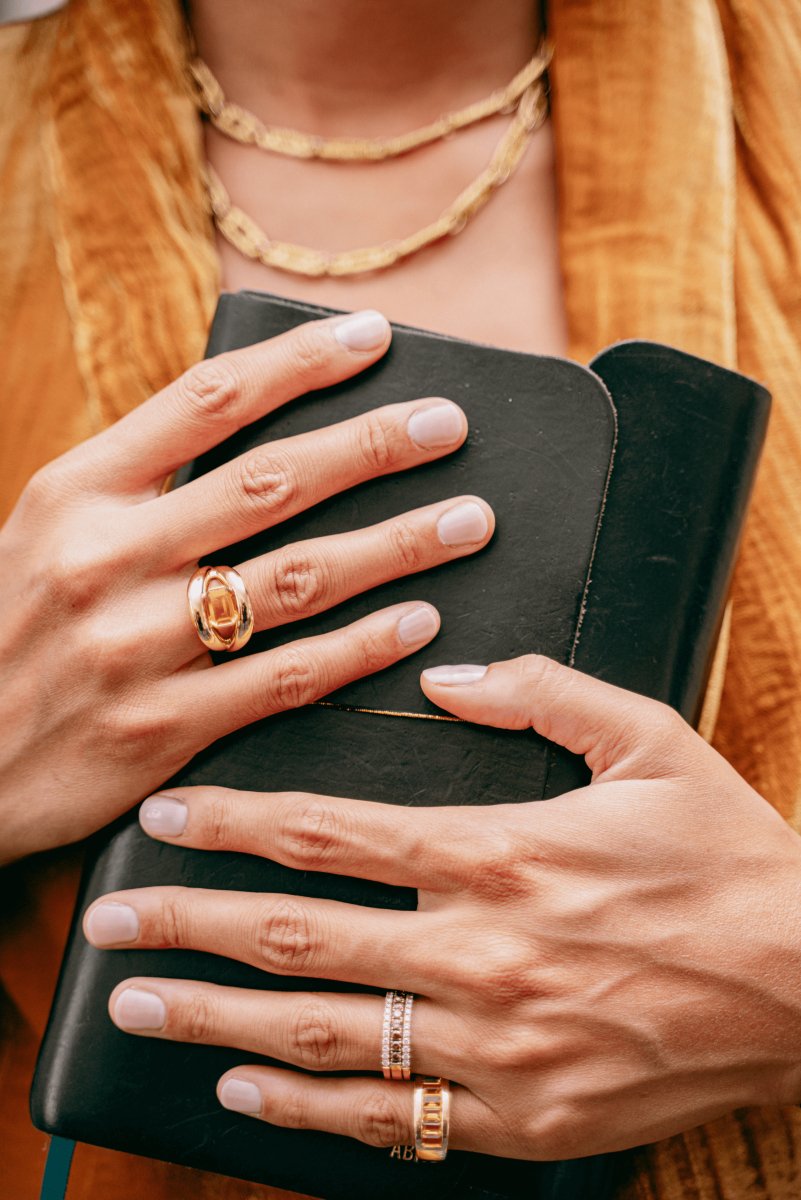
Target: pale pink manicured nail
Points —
{"points": [[241, 1096], [463, 524], [365, 330], [111, 924], [463, 673], [417, 627], [137, 1009], [440, 425], [163, 816]]}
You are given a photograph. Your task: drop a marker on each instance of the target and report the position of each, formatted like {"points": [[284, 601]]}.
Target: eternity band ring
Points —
{"points": [[396, 1035], [432, 1114], [220, 608]]}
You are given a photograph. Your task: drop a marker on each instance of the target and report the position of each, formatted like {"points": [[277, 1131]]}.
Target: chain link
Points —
{"points": [[526, 93]]}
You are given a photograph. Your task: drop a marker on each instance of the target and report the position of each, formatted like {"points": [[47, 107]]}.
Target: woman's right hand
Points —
{"points": [[105, 690]]}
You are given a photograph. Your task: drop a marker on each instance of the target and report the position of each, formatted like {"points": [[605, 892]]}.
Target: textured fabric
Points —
{"points": [[679, 170]]}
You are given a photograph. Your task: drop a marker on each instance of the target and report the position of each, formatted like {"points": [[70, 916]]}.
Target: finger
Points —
{"points": [[246, 689], [276, 481], [217, 396], [616, 731], [310, 577], [319, 1031], [285, 935], [369, 1110], [432, 849]]}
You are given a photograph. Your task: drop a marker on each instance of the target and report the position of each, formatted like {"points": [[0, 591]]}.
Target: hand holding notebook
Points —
{"points": [[568, 958], [617, 527], [102, 559]]}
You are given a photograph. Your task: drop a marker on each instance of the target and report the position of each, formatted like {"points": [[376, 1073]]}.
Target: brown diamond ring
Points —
{"points": [[396, 1035]]}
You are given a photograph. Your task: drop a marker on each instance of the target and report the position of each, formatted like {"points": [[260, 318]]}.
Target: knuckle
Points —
{"points": [[658, 732], [537, 673], [371, 653], [196, 1018], [375, 442], [539, 670], [284, 938], [405, 546], [516, 1050], [216, 823], [503, 973], [43, 486], [70, 583], [299, 584], [310, 350], [501, 872], [668, 725], [77, 576], [312, 1036], [293, 680], [266, 482], [378, 1122], [139, 732], [557, 1130], [312, 837], [291, 1111], [174, 919], [111, 663], [210, 388]]}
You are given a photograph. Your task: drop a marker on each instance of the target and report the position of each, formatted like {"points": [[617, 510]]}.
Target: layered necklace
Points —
{"points": [[525, 97]]}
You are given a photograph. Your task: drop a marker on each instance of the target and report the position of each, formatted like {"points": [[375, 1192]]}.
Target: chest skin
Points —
{"points": [[497, 281]]}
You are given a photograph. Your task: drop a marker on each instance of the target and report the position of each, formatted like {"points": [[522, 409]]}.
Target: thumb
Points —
{"points": [[609, 726]]}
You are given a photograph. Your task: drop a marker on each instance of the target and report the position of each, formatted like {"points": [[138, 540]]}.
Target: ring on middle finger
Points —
{"points": [[220, 608], [396, 1035]]}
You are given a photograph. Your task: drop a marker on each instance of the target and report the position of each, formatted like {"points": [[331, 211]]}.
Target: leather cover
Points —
{"points": [[619, 491]]}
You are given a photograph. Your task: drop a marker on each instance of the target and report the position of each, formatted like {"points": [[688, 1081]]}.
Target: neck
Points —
{"points": [[365, 67]]}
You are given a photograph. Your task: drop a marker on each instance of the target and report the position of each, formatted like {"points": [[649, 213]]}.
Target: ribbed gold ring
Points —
{"points": [[220, 608], [432, 1114]]}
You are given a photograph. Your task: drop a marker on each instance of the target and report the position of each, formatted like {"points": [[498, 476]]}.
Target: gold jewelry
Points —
{"points": [[432, 1111], [251, 240], [220, 608], [396, 1049], [245, 127]]}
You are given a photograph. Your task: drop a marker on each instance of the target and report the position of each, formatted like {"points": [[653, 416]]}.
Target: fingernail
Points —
{"points": [[365, 330], [463, 524], [137, 1009], [241, 1096], [163, 816], [440, 425], [112, 923], [418, 626], [463, 673]]}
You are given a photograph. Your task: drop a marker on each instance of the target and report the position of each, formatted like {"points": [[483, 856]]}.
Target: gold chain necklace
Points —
{"points": [[525, 95]]}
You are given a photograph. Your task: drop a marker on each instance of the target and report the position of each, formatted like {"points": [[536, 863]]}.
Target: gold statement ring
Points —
{"points": [[220, 608], [432, 1113]]}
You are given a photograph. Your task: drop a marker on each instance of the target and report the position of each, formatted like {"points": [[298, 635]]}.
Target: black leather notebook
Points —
{"points": [[619, 492]]}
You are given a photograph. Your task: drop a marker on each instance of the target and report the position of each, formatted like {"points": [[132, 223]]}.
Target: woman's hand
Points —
{"points": [[593, 972], [104, 691]]}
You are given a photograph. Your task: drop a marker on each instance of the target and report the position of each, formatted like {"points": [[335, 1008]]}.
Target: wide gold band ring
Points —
{"points": [[396, 1036], [432, 1115], [220, 608]]}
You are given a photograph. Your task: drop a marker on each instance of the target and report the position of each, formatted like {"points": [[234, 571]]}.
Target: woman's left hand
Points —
{"points": [[593, 972]]}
